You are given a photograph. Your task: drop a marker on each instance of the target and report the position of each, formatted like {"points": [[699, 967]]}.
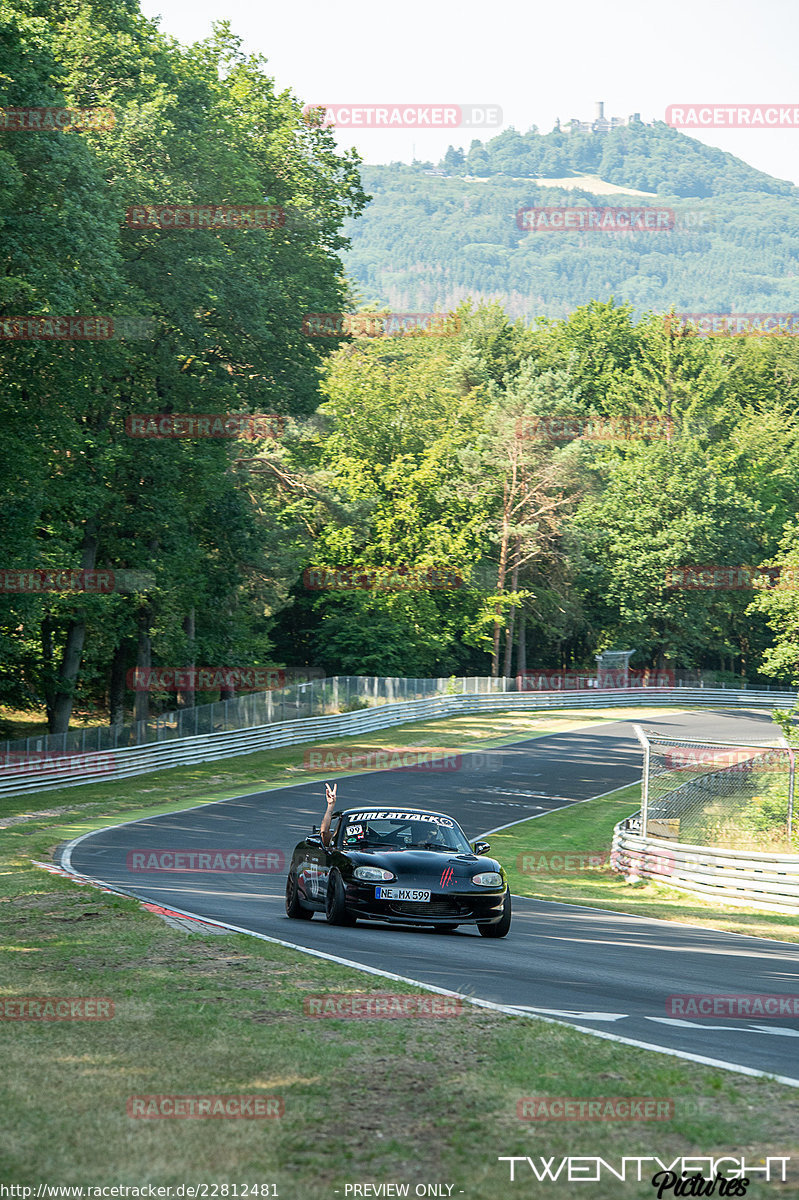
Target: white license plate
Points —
{"points": [[394, 893]]}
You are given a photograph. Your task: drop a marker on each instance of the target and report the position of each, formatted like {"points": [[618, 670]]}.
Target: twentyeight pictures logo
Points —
{"points": [[405, 116]]}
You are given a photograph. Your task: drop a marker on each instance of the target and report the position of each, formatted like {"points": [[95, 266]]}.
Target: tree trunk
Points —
{"points": [[521, 651], [187, 696], [512, 614], [116, 688], [47, 664], [503, 566], [141, 703], [73, 647]]}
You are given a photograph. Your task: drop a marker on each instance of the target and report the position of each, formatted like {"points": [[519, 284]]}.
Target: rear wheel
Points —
{"points": [[501, 927], [336, 911], [293, 906]]}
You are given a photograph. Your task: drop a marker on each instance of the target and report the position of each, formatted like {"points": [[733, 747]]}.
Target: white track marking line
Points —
{"points": [[777, 1030], [532, 1010], [508, 1010]]}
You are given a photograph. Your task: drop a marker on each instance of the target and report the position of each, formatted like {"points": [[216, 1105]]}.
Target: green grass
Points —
{"points": [[587, 829], [417, 1100], [412, 1100]]}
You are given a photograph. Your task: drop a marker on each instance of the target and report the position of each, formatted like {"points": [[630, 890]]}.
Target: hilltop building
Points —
{"points": [[600, 123]]}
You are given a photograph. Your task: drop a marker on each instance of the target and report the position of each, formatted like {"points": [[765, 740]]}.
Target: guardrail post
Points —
{"points": [[791, 781], [644, 740]]}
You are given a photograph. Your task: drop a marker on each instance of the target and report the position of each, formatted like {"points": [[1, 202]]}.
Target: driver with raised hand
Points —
{"points": [[324, 828]]}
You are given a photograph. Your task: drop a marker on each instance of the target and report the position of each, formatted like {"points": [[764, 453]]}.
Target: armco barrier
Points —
{"points": [[741, 878], [138, 760]]}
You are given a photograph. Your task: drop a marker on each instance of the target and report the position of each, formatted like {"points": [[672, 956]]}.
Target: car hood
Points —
{"points": [[424, 862]]}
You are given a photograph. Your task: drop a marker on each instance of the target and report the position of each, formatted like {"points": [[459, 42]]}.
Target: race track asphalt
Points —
{"points": [[593, 968]]}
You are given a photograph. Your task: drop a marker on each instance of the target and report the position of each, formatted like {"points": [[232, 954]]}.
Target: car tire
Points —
{"points": [[293, 904], [335, 902], [498, 928]]}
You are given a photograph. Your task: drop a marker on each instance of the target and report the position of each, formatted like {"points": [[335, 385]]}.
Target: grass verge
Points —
{"points": [[422, 1101], [417, 1101], [526, 851]]}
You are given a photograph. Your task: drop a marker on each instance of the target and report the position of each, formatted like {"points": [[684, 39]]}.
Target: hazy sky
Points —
{"points": [[537, 61]]}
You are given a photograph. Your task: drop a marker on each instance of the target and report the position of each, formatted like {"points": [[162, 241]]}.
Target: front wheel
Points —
{"points": [[501, 927], [293, 906], [335, 902]]}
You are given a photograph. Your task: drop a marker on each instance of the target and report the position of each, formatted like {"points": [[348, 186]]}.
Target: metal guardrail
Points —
{"points": [[78, 769], [742, 878], [303, 699]]}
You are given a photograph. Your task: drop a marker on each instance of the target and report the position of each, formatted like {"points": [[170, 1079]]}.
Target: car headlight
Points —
{"points": [[488, 879], [372, 873]]}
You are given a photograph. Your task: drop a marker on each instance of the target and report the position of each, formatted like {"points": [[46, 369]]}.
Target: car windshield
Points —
{"points": [[423, 833]]}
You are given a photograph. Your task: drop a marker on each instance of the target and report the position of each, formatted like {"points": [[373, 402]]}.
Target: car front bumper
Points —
{"points": [[443, 908]]}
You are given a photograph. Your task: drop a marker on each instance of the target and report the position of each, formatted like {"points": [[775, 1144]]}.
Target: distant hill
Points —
{"points": [[428, 241]]}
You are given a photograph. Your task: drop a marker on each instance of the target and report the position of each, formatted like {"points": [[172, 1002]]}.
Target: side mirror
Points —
{"points": [[313, 839], [482, 847], [314, 829]]}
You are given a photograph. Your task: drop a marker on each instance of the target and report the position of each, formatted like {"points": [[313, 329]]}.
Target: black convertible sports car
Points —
{"points": [[406, 866]]}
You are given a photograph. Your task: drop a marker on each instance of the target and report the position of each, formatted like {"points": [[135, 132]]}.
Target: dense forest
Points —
{"points": [[431, 241], [462, 491], [649, 158]]}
